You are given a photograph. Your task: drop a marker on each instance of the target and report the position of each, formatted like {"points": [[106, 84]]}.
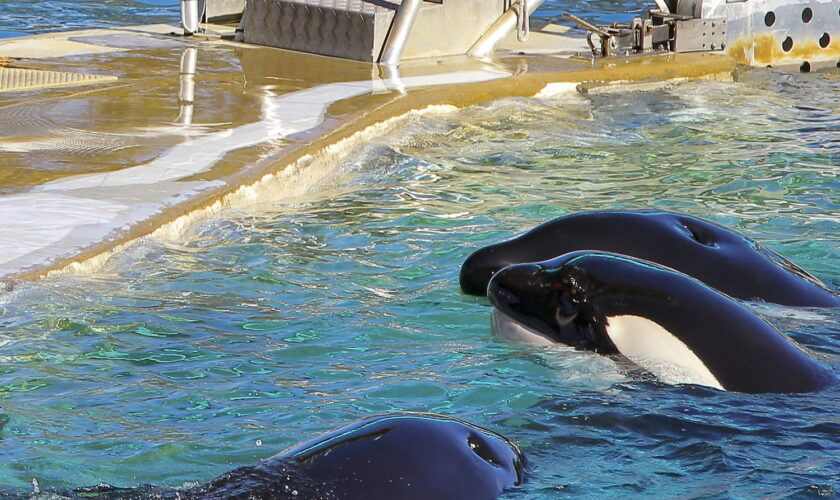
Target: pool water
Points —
{"points": [[273, 322], [23, 17]]}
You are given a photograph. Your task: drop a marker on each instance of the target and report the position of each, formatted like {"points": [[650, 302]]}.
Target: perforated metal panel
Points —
{"points": [[780, 31]]}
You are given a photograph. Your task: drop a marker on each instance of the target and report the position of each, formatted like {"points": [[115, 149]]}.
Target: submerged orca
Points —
{"points": [[407, 455], [666, 322], [717, 256]]}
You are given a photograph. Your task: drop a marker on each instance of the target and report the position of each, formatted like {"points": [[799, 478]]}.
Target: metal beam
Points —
{"points": [[499, 30], [400, 29]]}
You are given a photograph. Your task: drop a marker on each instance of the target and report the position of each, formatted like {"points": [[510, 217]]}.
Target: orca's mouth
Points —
{"points": [[501, 297], [535, 319], [506, 327], [540, 301], [512, 319]]}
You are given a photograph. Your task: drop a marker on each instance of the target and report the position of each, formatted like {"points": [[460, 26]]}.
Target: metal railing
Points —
{"points": [[516, 17], [191, 13], [400, 29]]}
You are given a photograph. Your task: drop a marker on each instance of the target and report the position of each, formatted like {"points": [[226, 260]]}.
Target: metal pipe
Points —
{"points": [[189, 16], [523, 23], [662, 6], [499, 30], [186, 91], [584, 24], [400, 29]]}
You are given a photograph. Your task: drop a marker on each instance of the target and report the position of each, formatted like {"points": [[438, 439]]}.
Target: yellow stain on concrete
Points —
{"points": [[147, 100], [767, 49]]}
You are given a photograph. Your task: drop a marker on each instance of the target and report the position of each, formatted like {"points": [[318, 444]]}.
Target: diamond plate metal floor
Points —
{"points": [[357, 29], [350, 29]]}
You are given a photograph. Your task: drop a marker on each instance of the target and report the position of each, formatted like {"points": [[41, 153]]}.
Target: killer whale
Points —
{"points": [[668, 323], [405, 455], [721, 258]]}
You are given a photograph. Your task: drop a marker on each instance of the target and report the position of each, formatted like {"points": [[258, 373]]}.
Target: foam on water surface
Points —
{"points": [[77, 212]]}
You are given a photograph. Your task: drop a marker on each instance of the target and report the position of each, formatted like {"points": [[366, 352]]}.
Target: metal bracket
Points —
{"points": [[619, 38], [698, 35], [661, 31]]}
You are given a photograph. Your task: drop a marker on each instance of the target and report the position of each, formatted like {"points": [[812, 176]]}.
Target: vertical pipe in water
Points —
{"points": [[186, 92], [189, 16]]}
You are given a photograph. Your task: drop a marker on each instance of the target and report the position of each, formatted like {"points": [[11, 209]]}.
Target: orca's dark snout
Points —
{"points": [[513, 282], [545, 297], [483, 264], [478, 269], [475, 276]]}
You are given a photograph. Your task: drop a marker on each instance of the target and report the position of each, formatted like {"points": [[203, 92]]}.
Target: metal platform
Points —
{"points": [[757, 32], [357, 29], [803, 33]]}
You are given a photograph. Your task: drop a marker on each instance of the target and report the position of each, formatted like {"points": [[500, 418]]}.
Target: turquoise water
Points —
{"points": [[272, 323], [269, 324], [22, 17]]}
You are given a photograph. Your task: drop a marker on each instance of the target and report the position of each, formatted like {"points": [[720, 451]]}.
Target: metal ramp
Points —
{"points": [[359, 29]]}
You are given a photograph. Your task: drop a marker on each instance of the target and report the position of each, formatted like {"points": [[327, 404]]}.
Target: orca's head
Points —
{"points": [[405, 455], [483, 263], [410, 455], [720, 257], [654, 235], [647, 234], [554, 299]]}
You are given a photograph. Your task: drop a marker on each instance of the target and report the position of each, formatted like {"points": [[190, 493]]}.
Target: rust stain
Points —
{"points": [[766, 48], [740, 50]]}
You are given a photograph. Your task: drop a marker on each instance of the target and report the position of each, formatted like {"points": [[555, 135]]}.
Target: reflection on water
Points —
{"points": [[186, 92], [289, 317]]}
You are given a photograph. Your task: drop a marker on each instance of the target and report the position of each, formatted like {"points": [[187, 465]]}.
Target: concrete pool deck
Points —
{"points": [[108, 135]]}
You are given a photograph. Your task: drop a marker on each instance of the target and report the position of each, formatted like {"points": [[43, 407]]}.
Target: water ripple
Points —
{"points": [[278, 322]]}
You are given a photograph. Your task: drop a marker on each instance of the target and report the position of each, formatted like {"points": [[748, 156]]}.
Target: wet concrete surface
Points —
{"points": [[189, 121]]}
